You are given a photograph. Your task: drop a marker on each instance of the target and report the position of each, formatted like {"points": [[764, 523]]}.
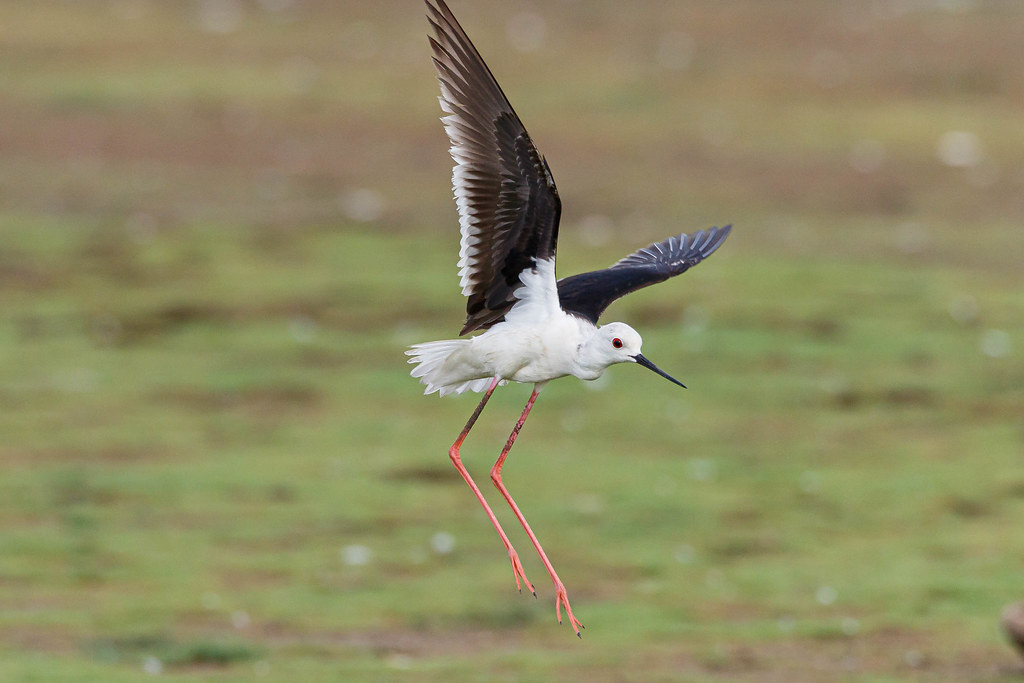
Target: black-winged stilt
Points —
{"points": [[537, 328]]}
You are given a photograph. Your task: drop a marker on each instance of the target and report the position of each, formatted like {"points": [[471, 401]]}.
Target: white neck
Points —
{"points": [[590, 361]]}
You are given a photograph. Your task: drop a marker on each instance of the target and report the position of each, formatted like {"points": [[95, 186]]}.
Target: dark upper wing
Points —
{"points": [[507, 201], [588, 294]]}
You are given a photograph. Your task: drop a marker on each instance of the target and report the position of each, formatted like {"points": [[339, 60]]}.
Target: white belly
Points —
{"points": [[527, 354]]}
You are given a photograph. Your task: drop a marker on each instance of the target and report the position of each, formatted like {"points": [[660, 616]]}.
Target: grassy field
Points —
{"points": [[222, 221]]}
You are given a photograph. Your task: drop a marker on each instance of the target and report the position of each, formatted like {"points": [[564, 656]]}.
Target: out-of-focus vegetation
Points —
{"points": [[221, 221]]}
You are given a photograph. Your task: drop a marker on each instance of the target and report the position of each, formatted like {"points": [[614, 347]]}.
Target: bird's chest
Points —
{"points": [[534, 354]]}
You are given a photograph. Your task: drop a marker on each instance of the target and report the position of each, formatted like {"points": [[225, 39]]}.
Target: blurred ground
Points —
{"points": [[223, 220]]}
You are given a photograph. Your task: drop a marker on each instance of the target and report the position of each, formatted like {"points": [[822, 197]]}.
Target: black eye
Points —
{"points": [[617, 343]]}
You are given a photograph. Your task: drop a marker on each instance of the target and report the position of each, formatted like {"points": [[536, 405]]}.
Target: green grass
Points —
{"points": [[206, 420]]}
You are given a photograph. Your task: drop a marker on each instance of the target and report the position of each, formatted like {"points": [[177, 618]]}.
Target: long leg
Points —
{"points": [[453, 453], [561, 597]]}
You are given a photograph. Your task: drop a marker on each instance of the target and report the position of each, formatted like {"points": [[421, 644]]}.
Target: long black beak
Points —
{"points": [[641, 360]]}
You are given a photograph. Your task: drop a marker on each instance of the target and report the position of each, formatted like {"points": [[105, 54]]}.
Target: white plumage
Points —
{"points": [[536, 342]]}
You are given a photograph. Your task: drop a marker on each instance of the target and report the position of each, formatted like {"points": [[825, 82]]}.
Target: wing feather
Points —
{"points": [[588, 294], [508, 204]]}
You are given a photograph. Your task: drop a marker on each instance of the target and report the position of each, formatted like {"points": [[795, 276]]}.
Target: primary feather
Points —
{"points": [[588, 294], [508, 204]]}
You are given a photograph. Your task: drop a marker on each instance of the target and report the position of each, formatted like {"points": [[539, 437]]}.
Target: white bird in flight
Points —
{"points": [[536, 328]]}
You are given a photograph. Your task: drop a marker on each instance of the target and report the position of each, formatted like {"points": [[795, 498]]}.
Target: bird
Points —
{"points": [[532, 327]]}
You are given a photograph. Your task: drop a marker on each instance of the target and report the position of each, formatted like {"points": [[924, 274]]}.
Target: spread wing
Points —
{"points": [[508, 205], [588, 294]]}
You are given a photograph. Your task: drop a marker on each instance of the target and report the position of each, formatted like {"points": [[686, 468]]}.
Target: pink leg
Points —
{"points": [[561, 597], [453, 453]]}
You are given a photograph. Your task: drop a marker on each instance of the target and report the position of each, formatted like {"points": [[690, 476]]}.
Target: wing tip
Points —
{"points": [[715, 237]]}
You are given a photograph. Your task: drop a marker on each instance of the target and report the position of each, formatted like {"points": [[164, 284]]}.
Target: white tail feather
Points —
{"points": [[429, 358]]}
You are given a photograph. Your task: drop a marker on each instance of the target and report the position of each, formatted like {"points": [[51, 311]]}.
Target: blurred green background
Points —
{"points": [[223, 220]]}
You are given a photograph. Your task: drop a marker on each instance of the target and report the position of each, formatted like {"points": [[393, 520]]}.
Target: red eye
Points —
{"points": [[617, 343]]}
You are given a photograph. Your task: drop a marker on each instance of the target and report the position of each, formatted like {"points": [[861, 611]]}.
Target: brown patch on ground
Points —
{"points": [[964, 506], [262, 401], [891, 652], [423, 475], [17, 272], [848, 398], [50, 638], [133, 327], [425, 643], [236, 580], [106, 455]]}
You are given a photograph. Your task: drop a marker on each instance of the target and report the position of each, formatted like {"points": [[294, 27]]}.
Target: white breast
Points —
{"points": [[535, 352]]}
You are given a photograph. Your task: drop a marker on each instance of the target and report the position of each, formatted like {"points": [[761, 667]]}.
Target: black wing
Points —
{"points": [[508, 205], [588, 294]]}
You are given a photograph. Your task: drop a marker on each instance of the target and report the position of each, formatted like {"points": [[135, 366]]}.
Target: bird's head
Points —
{"points": [[620, 343]]}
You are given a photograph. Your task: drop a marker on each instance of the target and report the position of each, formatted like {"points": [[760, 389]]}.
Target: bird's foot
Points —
{"points": [[517, 570], [562, 598]]}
